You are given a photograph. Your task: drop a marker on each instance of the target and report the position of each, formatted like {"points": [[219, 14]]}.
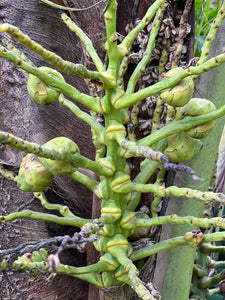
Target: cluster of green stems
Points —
{"points": [[119, 194]]}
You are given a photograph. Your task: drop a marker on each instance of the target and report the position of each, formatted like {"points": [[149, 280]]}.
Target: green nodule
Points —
{"points": [[197, 107], [33, 176], [182, 147], [39, 92], [60, 168], [181, 93]]}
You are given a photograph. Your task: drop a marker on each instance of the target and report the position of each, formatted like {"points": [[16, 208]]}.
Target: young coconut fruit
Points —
{"points": [[33, 176], [181, 147], [180, 94], [60, 167], [197, 107], [39, 92]]}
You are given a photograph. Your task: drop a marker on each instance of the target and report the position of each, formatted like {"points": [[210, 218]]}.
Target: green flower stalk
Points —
{"points": [[57, 61], [119, 191], [172, 243], [97, 127], [208, 282], [76, 159], [70, 8], [63, 209], [148, 52], [8, 174], [32, 215], [90, 102], [128, 100], [157, 114], [214, 291], [173, 190], [212, 35], [87, 43], [180, 125], [208, 248], [85, 180], [128, 40], [157, 199], [173, 219]]}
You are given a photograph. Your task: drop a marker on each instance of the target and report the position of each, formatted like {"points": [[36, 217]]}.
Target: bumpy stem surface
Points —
{"points": [[148, 52], [75, 159], [168, 83], [59, 85], [29, 214], [175, 191]]}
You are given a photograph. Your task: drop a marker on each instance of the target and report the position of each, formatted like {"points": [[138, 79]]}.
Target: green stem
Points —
{"points": [[172, 243], [157, 114], [55, 60], [138, 285], [149, 167], [168, 83], [144, 175], [87, 42], [87, 181], [180, 125], [98, 128], [157, 199], [111, 44], [70, 8], [92, 277], [64, 210], [159, 247], [75, 159], [173, 190], [128, 41], [29, 214], [147, 172], [148, 52], [208, 282], [8, 174], [134, 121], [212, 35], [209, 248], [216, 264], [174, 219], [120, 253], [198, 271], [95, 268], [122, 71], [58, 84], [211, 292]]}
